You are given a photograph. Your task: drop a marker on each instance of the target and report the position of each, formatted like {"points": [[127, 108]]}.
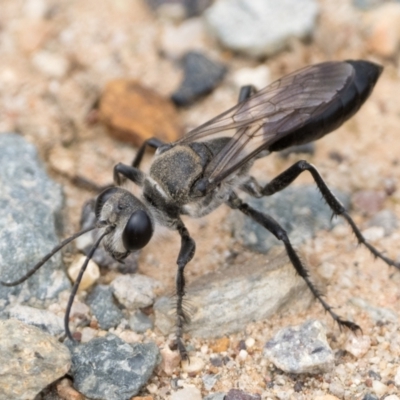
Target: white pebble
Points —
{"points": [[358, 345], [259, 77], [195, 365], [243, 354], [250, 342], [90, 276], [52, 65], [189, 392], [379, 388]]}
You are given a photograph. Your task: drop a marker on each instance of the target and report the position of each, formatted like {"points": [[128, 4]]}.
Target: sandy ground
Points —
{"points": [[101, 41]]}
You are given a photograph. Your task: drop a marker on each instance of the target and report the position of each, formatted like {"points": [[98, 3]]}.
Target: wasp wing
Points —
{"points": [[272, 113]]}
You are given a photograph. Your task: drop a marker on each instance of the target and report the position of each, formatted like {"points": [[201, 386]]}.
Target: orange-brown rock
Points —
{"points": [[135, 113]]}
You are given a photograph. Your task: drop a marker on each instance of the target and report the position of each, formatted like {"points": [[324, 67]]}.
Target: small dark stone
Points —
{"points": [[201, 75], [108, 368], [236, 394], [216, 361], [374, 375], [190, 7], [298, 386], [370, 396], [102, 304]]}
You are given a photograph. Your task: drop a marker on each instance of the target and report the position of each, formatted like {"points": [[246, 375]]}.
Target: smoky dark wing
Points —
{"points": [[271, 113]]}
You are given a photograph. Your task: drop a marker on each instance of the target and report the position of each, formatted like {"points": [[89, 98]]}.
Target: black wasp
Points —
{"points": [[210, 165]]}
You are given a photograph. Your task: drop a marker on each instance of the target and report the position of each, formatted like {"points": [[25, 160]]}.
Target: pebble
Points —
{"points": [[358, 345], [135, 113], [379, 388], [237, 394], [337, 389], [382, 29], [385, 219], [91, 275], [50, 64], [326, 397], [301, 349], [139, 322], [228, 299], [135, 291], [178, 9], [250, 342], [392, 397], [170, 360], [201, 76], [189, 392], [42, 319], [370, 396], [378, 314], [373, 233], [397, 377], [209, 380], [366, 4], [216, 396], [67, 392], [259, 77], [193, 366], [30, 219], [299, 210], [101, 257], [220, 345], [103, 307], [34, 359], [176, 40], [107, 368], [88, 334], [261, 28], [368, 201]]}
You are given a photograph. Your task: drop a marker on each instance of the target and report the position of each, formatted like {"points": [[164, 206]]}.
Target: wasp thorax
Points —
{"points": [[133, 226]]}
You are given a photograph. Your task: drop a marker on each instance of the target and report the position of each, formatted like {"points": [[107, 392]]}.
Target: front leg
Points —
{"points": [[186, 253]]}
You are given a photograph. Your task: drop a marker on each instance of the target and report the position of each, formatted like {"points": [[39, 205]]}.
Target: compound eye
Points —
{"points": [[138, 231], [102, 199]]}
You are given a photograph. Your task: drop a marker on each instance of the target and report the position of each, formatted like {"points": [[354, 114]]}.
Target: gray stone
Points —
{"points": [[30, 219], [108, 368], [378, 314], [300, 210], [215, 396], [237, 394], [367, 4], [370, 396], [103, 307], [139, 322], [226, 300], [385, 219], [179, 9], [201, 76], [209, 381], [135, 291], [261, 28], [301, 349], [42, 319], [31, 360]]}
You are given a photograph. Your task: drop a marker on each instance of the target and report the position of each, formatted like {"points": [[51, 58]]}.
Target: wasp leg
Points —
{"points": [[128, 172], [186, 253], [246, 92], [287, 177], [272, 226], [152, 142]]}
